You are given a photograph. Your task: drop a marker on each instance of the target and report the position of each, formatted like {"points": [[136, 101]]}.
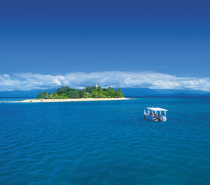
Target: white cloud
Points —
{"points": [[151, 80]]}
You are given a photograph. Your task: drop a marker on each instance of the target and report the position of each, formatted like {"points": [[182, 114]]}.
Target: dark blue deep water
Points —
{"points": [[105, 142]]}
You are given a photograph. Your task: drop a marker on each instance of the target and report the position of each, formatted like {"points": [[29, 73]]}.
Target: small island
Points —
{"points": [[91, 93], [66, 92]]}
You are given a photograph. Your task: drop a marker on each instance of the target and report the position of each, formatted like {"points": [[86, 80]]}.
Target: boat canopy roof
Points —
{"points": [[156, 109]]}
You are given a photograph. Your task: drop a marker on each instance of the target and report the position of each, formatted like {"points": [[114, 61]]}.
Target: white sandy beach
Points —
{"points": [[70, 100]]}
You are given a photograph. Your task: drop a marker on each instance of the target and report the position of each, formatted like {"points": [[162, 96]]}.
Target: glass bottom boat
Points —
{"points": [[155, 114]]}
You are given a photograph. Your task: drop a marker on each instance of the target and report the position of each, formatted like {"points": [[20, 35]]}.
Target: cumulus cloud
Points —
{"points": [[116, 79]]}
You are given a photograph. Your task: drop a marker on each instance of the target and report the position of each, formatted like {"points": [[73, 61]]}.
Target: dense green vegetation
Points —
{"points": [[66, 92]]}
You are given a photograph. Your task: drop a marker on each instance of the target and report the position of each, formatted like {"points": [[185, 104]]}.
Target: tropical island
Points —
{"points": [[91, 93], [66, 92]]}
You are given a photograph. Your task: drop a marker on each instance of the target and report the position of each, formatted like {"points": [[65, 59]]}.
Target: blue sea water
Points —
{"points": [[105, 142]]}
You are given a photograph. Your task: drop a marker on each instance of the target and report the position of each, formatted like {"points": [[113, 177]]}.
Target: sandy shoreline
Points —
{"points": [[70, 100]]}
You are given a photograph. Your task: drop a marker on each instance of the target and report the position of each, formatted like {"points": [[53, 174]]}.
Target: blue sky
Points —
{"points": [[82, 38]]}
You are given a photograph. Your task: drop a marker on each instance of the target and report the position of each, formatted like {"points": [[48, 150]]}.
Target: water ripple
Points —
{"points": [[105, 143]]}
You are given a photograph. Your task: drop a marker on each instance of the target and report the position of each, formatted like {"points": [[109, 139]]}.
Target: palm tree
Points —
{"points": [[50, 94], [99, 89]]}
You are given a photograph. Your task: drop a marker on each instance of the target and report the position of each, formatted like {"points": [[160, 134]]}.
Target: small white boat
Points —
{"points": [[155, 114]]}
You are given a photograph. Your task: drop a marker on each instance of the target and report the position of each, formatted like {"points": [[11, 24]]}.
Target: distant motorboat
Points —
{"points": [[155, 114]]}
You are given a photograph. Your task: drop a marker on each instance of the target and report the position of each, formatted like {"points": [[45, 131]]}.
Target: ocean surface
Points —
{"points": [[105, 142]]}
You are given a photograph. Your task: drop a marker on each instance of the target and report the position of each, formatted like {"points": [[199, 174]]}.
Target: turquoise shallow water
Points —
{"points": [[105, 143]]}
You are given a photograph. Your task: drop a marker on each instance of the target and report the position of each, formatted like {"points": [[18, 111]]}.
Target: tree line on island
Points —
{"points": [[66, 92]]}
